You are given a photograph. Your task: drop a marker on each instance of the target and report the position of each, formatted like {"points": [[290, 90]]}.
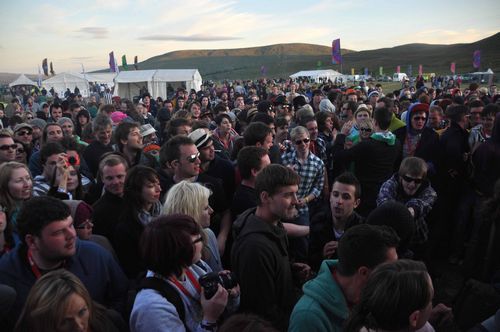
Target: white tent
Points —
{"points": [[22, 80], [128, 83], [63, 81], [100, 78], [318, 75]]}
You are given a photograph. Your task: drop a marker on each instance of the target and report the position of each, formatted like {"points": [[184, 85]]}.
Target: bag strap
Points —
{"points": [[168, 292]]}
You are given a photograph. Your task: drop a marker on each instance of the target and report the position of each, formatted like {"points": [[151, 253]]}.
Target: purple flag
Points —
{"points": [[45, 67], [336, 56], [452, 67], [476, 59], [112, 62]]}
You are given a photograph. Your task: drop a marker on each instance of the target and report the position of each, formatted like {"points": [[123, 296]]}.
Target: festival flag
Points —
{"points": [[113, 67], [420, 70], [336, 56], [381, 71], [39, 81], [352, 71], [52, 72], [398, 69], [410, 70], [319, 64], [452, 68], [366, 71], [136, 66], [263, 70], [476, 59], [124, 62], [45, 67]]}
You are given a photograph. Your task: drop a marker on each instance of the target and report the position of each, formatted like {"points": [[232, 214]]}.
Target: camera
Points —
{"points": [[210, 282], [73, 161]]}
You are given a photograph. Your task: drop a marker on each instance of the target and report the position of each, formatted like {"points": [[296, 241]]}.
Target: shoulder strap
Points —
{"points": [[168, 292]]}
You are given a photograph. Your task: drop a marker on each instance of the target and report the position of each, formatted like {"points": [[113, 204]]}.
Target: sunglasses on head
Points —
{"points": [[192, 158], [8, 147], [410, 179], [305, 141]]}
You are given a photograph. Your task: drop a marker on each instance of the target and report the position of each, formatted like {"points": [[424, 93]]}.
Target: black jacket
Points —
{"points": [[260, 260], [427, 147], [106, 214]]}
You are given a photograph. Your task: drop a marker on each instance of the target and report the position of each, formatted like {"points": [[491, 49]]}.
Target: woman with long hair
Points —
{"points": [[60, 302], [191, 199], [397, 297], [171, 248], [142, 203], [16, 185]]}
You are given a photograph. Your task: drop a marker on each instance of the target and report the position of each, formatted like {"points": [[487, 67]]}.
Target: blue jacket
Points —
{"points": [[323, 306], [93, 265]]}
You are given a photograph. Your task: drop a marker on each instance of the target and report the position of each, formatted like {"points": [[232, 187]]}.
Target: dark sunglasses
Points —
{"points": [[368, 130], [418, 118], [8, 147], [24, 133], [20, 150], [305, 141], [192, 158], [410, 179]]}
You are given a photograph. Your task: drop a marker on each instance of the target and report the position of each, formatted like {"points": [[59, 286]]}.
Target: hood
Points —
{"points": [[324, 290], [386, 137], [412, 109], [247, 224]]}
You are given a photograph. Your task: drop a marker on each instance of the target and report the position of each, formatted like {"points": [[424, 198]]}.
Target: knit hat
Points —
{"points": [[39, 123], [117, 117], [373, 93], [151, 147], [80, 211], [362, 107], [63, 120], [325, 105]]}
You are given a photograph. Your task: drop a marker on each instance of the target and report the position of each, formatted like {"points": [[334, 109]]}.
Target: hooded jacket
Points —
{"points": [[260, 260], [323, 306]]}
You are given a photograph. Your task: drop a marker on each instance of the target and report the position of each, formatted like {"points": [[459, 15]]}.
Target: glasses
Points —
{"points": [[29, 118], [200, 239], [24, 133], [410, 179], [343, 116], [87, 224], [418, 118], [305, 141], [368, 130], [8, 147], [192, 158], [20, 150]]}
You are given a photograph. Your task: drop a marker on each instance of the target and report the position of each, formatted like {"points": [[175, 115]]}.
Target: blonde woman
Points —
{"points": [[191, 199]]}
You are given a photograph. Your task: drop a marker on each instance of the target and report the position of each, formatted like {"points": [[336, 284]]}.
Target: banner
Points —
{"points": [[124, 62], [52, 72], [136, 65], [452, 68], [352, 71], [366, 71], [381, 71], [398, 69], [476, 59], [263, 70], [336, 56], [113, 67], [420, 70], [45, 67]]}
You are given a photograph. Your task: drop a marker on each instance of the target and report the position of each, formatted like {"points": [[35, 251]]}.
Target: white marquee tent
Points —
{"points": [[128, 83], [63, 81], [318, 75], [22, 80]]}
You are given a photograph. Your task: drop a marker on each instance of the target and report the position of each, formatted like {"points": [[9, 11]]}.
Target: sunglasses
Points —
{"points": [[305, 141], [20, 150], [368, 130], [192, 158], [8, 147], [410, 179], [24, 133], [418, 118]]}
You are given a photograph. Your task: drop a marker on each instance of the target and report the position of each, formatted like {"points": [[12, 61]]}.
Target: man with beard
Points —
{"points": [[259, 256], [49, 242]]}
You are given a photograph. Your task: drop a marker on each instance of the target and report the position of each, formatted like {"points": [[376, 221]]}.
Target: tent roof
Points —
{"points": [[100, 77], [168, 75], [315, 73], [22, 80], [65, 77]]}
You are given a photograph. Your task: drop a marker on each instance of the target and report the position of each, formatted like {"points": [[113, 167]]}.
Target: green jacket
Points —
{"points": [[395, 123], [323, 306]]}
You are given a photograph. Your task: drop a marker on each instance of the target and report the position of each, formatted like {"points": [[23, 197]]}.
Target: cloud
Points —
{"points": [[190, 38], [94, 32]]}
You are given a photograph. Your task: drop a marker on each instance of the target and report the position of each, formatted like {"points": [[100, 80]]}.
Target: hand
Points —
{"points": [[330, 248], [301, 271], [441, 316], [61, 171], [301, 202], [214, 307], [346, 128], [235, 291]]}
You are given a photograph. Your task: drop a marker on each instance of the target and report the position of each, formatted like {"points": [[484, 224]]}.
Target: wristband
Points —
{"points": [[208, 326]]}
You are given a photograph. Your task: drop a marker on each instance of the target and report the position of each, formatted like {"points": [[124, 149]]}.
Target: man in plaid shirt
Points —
{"points": [[311, 171]]}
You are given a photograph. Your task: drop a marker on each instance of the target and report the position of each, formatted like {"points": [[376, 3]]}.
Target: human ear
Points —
{"points": [[356, 202], [30, 241], [413, 319]]}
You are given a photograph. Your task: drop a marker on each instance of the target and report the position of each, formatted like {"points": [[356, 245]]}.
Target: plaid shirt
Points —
{"points": [[311, 175]]}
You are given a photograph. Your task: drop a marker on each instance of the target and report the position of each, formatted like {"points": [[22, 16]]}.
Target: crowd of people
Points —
{"points": [[249, 205]]}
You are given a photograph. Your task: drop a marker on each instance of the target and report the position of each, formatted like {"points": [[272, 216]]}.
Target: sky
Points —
{"points": [[73, 34]]}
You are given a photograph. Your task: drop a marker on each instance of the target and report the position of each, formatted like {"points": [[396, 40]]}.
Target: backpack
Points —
{"points": [[168, 292]]}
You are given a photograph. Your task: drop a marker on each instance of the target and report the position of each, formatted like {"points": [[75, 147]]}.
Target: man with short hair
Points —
{"points": [[389, 104], [112, 172], [259, 256], [328, 226], [7, 147], [49, 242], [128, 140], [339, 283], [436, 116], [56, 112], [102, 131], [52, 159], [52, 133], [374, 159], [259, 134]]}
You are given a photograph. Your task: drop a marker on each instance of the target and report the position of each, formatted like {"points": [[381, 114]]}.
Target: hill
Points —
{"points": [[284, 59]]}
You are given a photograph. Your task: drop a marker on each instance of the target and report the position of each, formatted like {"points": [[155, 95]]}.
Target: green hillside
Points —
{"points": [[285, 59]]}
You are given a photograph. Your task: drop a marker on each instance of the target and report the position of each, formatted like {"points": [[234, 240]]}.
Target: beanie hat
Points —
{"points": [[325, 105], [117, 117], [63, 120], [39, 123], [80, 211]]}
